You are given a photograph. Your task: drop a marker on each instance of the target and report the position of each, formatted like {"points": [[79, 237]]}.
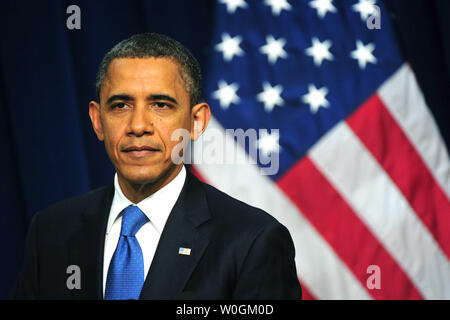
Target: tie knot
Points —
{"points": [[133, 219]]}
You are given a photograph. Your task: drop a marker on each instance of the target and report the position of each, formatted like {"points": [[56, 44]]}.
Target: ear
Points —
{"points": [[94, 114], [200, 115]]}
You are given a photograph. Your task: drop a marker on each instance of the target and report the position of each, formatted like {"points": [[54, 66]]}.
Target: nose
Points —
{"points": [[140, 121]]}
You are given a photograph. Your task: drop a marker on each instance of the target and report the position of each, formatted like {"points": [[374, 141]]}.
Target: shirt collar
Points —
{"points": [[156, 207]]}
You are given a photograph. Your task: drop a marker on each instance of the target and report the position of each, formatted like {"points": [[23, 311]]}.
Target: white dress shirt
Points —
{"points": [[156, 207]]}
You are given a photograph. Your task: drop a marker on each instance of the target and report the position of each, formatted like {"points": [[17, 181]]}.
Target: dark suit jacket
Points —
{"points": [[237, 251]]}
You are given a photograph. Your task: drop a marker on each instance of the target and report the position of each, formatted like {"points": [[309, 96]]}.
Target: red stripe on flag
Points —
{"points": [[352, 241], [306, 293], [196, 173], [383, 137]]}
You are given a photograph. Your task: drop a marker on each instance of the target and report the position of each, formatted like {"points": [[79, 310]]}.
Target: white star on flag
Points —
{"points": [[365, 8], [230, 46], [268, 142], [278, 6], [363, 54], [322, 7], [319, 51], [274, 49], [226, 94], [270, 96], [232, 5], [316, 98]]}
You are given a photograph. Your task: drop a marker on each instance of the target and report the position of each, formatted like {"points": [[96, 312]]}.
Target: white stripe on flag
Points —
{"points": [[354, 173], [319, 268], [404, 99]]}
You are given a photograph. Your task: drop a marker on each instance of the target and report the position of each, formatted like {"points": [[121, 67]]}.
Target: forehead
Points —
{"points": [[144, 76]]}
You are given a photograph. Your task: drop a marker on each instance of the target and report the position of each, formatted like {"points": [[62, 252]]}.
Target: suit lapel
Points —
{"points": [[86, 246], [170, 270]]}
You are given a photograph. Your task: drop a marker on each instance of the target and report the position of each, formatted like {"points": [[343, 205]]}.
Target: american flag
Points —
{"points": [[363, 183]]}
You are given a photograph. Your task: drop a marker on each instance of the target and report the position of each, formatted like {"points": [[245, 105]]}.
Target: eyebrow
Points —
{"points": [[126, 97], [119, 97], [163, 97]]}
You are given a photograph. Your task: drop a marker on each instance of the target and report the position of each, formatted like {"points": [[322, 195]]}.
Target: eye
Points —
{"points": [[162, 105], [119, 105]]}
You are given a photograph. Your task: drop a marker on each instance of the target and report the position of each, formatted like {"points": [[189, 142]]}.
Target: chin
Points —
{"points": [[142, 178], [143, 175]]}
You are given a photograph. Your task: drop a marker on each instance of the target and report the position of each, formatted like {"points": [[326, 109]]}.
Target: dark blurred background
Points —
{"points": [[47, 75]]}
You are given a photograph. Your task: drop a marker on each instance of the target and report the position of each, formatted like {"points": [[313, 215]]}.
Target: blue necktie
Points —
{"points": [[126, 270]]}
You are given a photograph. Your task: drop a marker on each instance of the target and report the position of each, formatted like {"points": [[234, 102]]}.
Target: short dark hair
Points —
{"points": [[146, 45]]}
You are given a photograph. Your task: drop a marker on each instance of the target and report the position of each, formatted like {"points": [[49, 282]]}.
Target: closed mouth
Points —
{"points": [[139, 148]]}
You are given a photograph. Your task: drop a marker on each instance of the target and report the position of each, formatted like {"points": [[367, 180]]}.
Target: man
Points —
{"points": [[157, 232]]}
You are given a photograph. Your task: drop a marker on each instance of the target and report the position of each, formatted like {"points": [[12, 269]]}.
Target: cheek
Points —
{"points": [[165, 132], [167, 129], [112, 134]]}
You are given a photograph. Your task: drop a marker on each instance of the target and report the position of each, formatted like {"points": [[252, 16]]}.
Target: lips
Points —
{"points": [[139, 148], [140, 151]]}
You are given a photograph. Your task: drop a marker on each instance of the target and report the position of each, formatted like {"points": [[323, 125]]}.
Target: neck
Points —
{"points": [[136, 192]]}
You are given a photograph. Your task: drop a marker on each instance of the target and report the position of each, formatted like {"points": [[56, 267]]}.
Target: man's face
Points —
{"points": [[142, 102]]}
